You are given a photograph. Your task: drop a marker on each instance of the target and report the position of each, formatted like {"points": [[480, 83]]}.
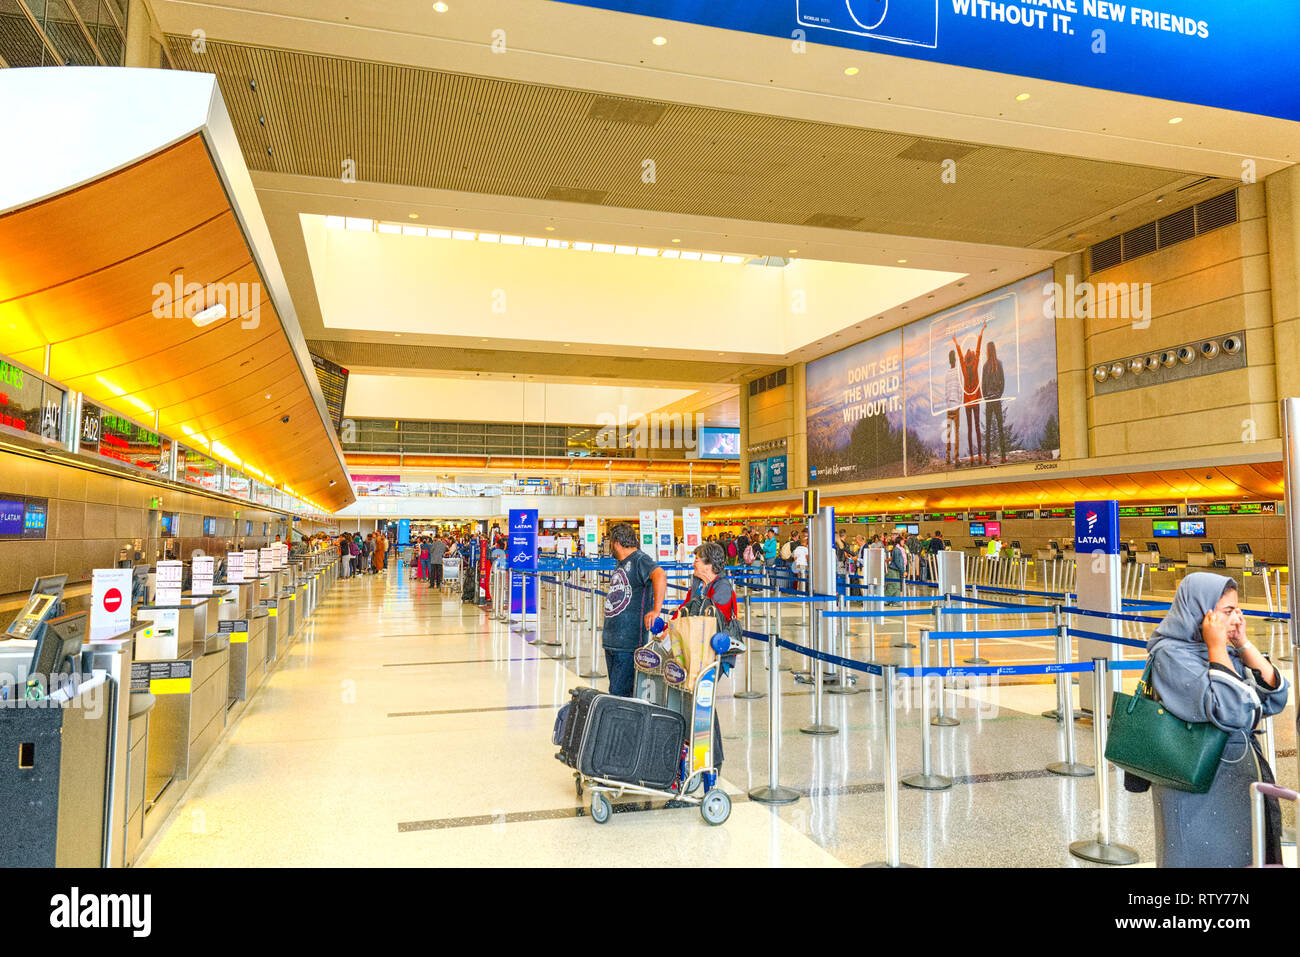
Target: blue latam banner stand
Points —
{"points": [[403, 531], [1096, 528], [1233, 56], [1097, 582], [521, 555]]}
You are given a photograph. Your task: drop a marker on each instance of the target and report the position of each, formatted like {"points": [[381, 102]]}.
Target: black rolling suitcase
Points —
{"points": [[622, 739]]}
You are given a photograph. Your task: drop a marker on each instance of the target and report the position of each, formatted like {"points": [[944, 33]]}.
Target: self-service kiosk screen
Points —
{"points": [[33, 613]]}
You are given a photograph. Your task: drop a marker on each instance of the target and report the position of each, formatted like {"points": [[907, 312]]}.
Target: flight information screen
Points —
{"points": [[333, 379]]}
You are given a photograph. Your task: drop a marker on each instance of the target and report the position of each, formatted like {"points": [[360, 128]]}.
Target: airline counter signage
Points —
{"points": [[691, 529], [647, 531], [110, 602], [1096, 527], [664, 521], [521, 555]]}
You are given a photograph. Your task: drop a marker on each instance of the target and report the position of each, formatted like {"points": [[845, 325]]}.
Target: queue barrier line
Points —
{"points": [[1034, 609], [1101, 636], [900, 613], [1004, 633], [1071, 610], [999, 604], [929, 600]]}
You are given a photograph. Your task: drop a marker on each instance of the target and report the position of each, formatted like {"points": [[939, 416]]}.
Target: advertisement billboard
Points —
{"points": [[970, 386], [768, 475]]}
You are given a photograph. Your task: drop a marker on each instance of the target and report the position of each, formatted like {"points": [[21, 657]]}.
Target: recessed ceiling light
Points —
{"points": [[794, 250], [268, 395], [414, 216], [851, 71], [439, 7], [659, 41], [210, 315], [550, 229], [901, 261], [1022, 97], [1175, 120], [677, 240]]}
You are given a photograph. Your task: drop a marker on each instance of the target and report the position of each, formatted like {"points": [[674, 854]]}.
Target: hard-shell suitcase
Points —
{"points": [[569, 735], [622, 739]]}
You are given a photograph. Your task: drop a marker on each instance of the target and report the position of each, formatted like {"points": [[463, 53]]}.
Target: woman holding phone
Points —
{"points": [[1204, 668]]}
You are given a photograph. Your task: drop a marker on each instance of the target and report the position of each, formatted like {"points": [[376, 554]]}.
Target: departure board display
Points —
{"points": [[123, 440], [1233, 508], [1062, 511], [1019, 513], [1148, 511], [195, 468], [333, 379], [945, 516], [984, 515]]}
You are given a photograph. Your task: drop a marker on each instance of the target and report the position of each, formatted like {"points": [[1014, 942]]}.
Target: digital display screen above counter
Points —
{"points": [[125, 441], [23, 517], [333, 379], [1232, 508]]}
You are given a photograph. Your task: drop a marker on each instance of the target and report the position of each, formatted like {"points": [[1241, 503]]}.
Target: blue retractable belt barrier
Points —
{"points": [[1112, 639], [1106, 614], [897, 613], [1010, 633]]}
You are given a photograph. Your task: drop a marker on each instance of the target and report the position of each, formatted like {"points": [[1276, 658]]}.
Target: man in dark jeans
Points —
{"points": [[634, 599], [437, 551], [994, 382]]}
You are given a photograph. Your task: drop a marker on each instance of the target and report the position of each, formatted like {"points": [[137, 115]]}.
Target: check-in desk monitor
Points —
{"points": [[1207, 548], [1243, 548], [140, 585], [43, 603], [58, 652]]}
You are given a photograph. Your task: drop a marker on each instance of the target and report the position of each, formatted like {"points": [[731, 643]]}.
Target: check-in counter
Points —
{"points": [[274, 625], [247, 658], [137, 764], [188, 718]]}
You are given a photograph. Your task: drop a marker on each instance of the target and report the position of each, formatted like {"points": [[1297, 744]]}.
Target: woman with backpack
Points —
{"points": [[897, 567], [711, 590]]}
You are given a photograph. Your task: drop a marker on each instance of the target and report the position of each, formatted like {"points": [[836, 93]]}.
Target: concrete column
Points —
{"points": [[1282, 197], [798, 451], [745, 438], [139, 44], [1072, 369]]}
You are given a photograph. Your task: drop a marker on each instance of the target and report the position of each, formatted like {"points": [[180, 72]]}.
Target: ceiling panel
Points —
{"points": [[306, 114], [78, 271]]}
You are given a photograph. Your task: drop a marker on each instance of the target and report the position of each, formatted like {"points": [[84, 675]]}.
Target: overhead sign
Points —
{"points": [[1096, 527], [110, 605], [1229, 56]]}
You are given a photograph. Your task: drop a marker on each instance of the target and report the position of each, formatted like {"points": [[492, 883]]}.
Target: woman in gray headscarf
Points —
{"points": [[1203, 668]]}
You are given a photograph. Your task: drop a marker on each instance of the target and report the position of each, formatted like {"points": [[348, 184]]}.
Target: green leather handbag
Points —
{"points": [[1145, 739]]}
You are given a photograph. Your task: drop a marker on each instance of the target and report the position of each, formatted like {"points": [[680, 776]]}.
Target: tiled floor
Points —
{"points": [[405, 728]]}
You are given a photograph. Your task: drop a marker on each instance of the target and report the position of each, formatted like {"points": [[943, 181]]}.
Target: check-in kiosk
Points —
{"points": [[247, 637], [1202, 559]]}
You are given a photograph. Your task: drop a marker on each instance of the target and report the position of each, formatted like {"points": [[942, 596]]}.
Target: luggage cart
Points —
{"points": [[696, 767], [450, 574]]}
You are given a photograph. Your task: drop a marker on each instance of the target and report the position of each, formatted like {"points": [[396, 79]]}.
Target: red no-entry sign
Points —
{"points": [[112, 600]]}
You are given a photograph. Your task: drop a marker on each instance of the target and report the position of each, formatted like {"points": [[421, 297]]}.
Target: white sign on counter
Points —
{"points": [[167, 588], [234, 568], [201, 574], [110, 602], [250, 563]]}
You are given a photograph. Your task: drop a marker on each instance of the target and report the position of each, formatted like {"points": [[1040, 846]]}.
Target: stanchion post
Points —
{"points": [[925, 779], [943, 719], [774, 793], [594, 671], [892, 855], [845, 682], [749, 691], [1070, 767], [1101, 850], [1062, 654], [818, 726], [975, 658]]}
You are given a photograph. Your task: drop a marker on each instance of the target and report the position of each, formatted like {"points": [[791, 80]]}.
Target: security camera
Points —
{"points": [[285, 420], [1209, 349]]}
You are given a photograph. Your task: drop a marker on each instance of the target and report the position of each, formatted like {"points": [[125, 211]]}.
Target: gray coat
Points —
{"points": [[1213, 829]]}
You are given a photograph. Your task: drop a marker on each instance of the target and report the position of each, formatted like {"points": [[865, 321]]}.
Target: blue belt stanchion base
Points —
{"points": [[774, 793], [1070, 767], [889, 679], [749, 691], [926, 779], [1101, 850]]}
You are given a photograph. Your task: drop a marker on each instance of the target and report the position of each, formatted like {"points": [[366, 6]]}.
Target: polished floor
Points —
{"points": [[407, 729]]}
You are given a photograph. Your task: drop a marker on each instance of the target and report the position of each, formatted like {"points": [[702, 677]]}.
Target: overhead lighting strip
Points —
{"points": [[465, 235]]}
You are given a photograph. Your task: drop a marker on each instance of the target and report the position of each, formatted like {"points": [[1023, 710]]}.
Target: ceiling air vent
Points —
{"points": [[1106, 254], [1216, 212], [935, 151], [1176, 227], [832, 221], [612, 109], [1140, 241], [575, 194], [1193, 221]]}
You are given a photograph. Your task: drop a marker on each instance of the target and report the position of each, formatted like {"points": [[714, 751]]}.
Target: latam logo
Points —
{"points": [[1091, 519]]}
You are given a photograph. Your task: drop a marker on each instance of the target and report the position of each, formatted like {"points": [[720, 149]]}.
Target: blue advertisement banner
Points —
{"points": [[521, 555], [1096, 527], [768, 475], [403, 531], [1233, 56]]}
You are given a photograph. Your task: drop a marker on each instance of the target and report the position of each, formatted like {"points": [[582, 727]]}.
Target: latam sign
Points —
{"points": [[1096, 527]]}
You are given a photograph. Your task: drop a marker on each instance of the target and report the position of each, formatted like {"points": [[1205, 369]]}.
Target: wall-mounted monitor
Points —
{"points": [[715, 443], [993, 529], [1164, 528], [914, 529], [1153, 546], [209, 525], [977, 530], [1192, 528]]}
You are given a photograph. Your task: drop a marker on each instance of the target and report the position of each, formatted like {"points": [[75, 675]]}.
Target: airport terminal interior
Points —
{"points": [[350, 353]]}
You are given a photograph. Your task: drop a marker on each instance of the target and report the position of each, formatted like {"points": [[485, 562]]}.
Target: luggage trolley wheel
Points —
{"points": [[601, 809], [716, 806], [694, 784]]}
